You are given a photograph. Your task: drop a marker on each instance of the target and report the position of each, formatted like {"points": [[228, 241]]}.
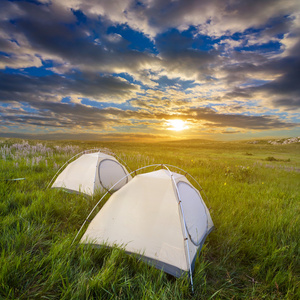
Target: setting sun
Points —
{"points": [[176, 125]]}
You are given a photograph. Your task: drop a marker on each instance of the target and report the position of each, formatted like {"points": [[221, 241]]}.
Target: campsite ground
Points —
{"points": [[253, 191]]}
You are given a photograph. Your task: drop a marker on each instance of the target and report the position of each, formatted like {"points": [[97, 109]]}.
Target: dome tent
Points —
{"points": [[91, 172], [158, 215]]}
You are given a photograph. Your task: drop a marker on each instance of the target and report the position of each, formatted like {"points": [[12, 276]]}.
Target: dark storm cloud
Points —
{"points": [[214, 17], [73, 46], [51, 114], [238, 121], [286, 87], [17, 87], [283, 91], [36, 120], [178, 55], [50, 33]]}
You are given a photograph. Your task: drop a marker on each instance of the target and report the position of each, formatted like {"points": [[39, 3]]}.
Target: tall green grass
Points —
{"points": [[252, 254]]}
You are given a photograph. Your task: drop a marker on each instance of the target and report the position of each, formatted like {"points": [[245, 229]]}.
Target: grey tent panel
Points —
{"points": [[110, 172], [194, 211]]}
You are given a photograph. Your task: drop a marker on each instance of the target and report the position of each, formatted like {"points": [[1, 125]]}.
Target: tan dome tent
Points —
{"points": [[159, 215], [92, 172]]}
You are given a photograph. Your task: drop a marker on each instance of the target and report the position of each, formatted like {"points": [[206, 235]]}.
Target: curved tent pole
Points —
{"points": [[184, 225], [195, 181], [88, 217], [117, 157], [123, 162], [107, 151], [186, 173]]}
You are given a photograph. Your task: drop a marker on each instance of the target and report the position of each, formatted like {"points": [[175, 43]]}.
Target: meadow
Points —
{"points": [[252, 189]]}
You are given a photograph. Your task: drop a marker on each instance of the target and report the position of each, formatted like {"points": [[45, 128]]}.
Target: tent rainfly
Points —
{"points": [[158, 215], [92, 172]]}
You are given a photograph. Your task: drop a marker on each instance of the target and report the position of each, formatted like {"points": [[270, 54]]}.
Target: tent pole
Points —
{"points": [[187, 242], [88, 217], [96, 174], [185, 230], [195, 181]]}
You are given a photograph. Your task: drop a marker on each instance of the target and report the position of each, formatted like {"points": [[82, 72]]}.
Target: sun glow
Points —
{"points": [[176, 125]]}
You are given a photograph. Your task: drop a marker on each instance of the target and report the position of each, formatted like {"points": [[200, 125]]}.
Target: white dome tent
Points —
{"points": [[92, 171], [158, 215]]}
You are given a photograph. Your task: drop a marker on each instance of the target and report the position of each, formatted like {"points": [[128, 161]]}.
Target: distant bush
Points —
{"points": [[239, 173], [271, 158]]}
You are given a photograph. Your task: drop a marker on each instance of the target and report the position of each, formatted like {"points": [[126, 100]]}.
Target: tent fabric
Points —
{"points": [[91, 173], [145, 218], [196, 223], [108, 171]]}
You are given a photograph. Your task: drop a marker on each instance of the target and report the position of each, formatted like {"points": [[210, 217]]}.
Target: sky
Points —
{"points": [[150, 69]]}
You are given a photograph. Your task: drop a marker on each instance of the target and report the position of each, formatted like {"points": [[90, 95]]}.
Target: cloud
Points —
{"points": [[22, 88], [180, 60], [211, 118], [139, 63], [33, 33], [79, 116], [281, 87], [213, 18], [21, 48], [230, 132]]}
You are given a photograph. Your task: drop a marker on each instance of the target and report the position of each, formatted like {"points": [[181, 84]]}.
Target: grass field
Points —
{"points": [[254, 195]]}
